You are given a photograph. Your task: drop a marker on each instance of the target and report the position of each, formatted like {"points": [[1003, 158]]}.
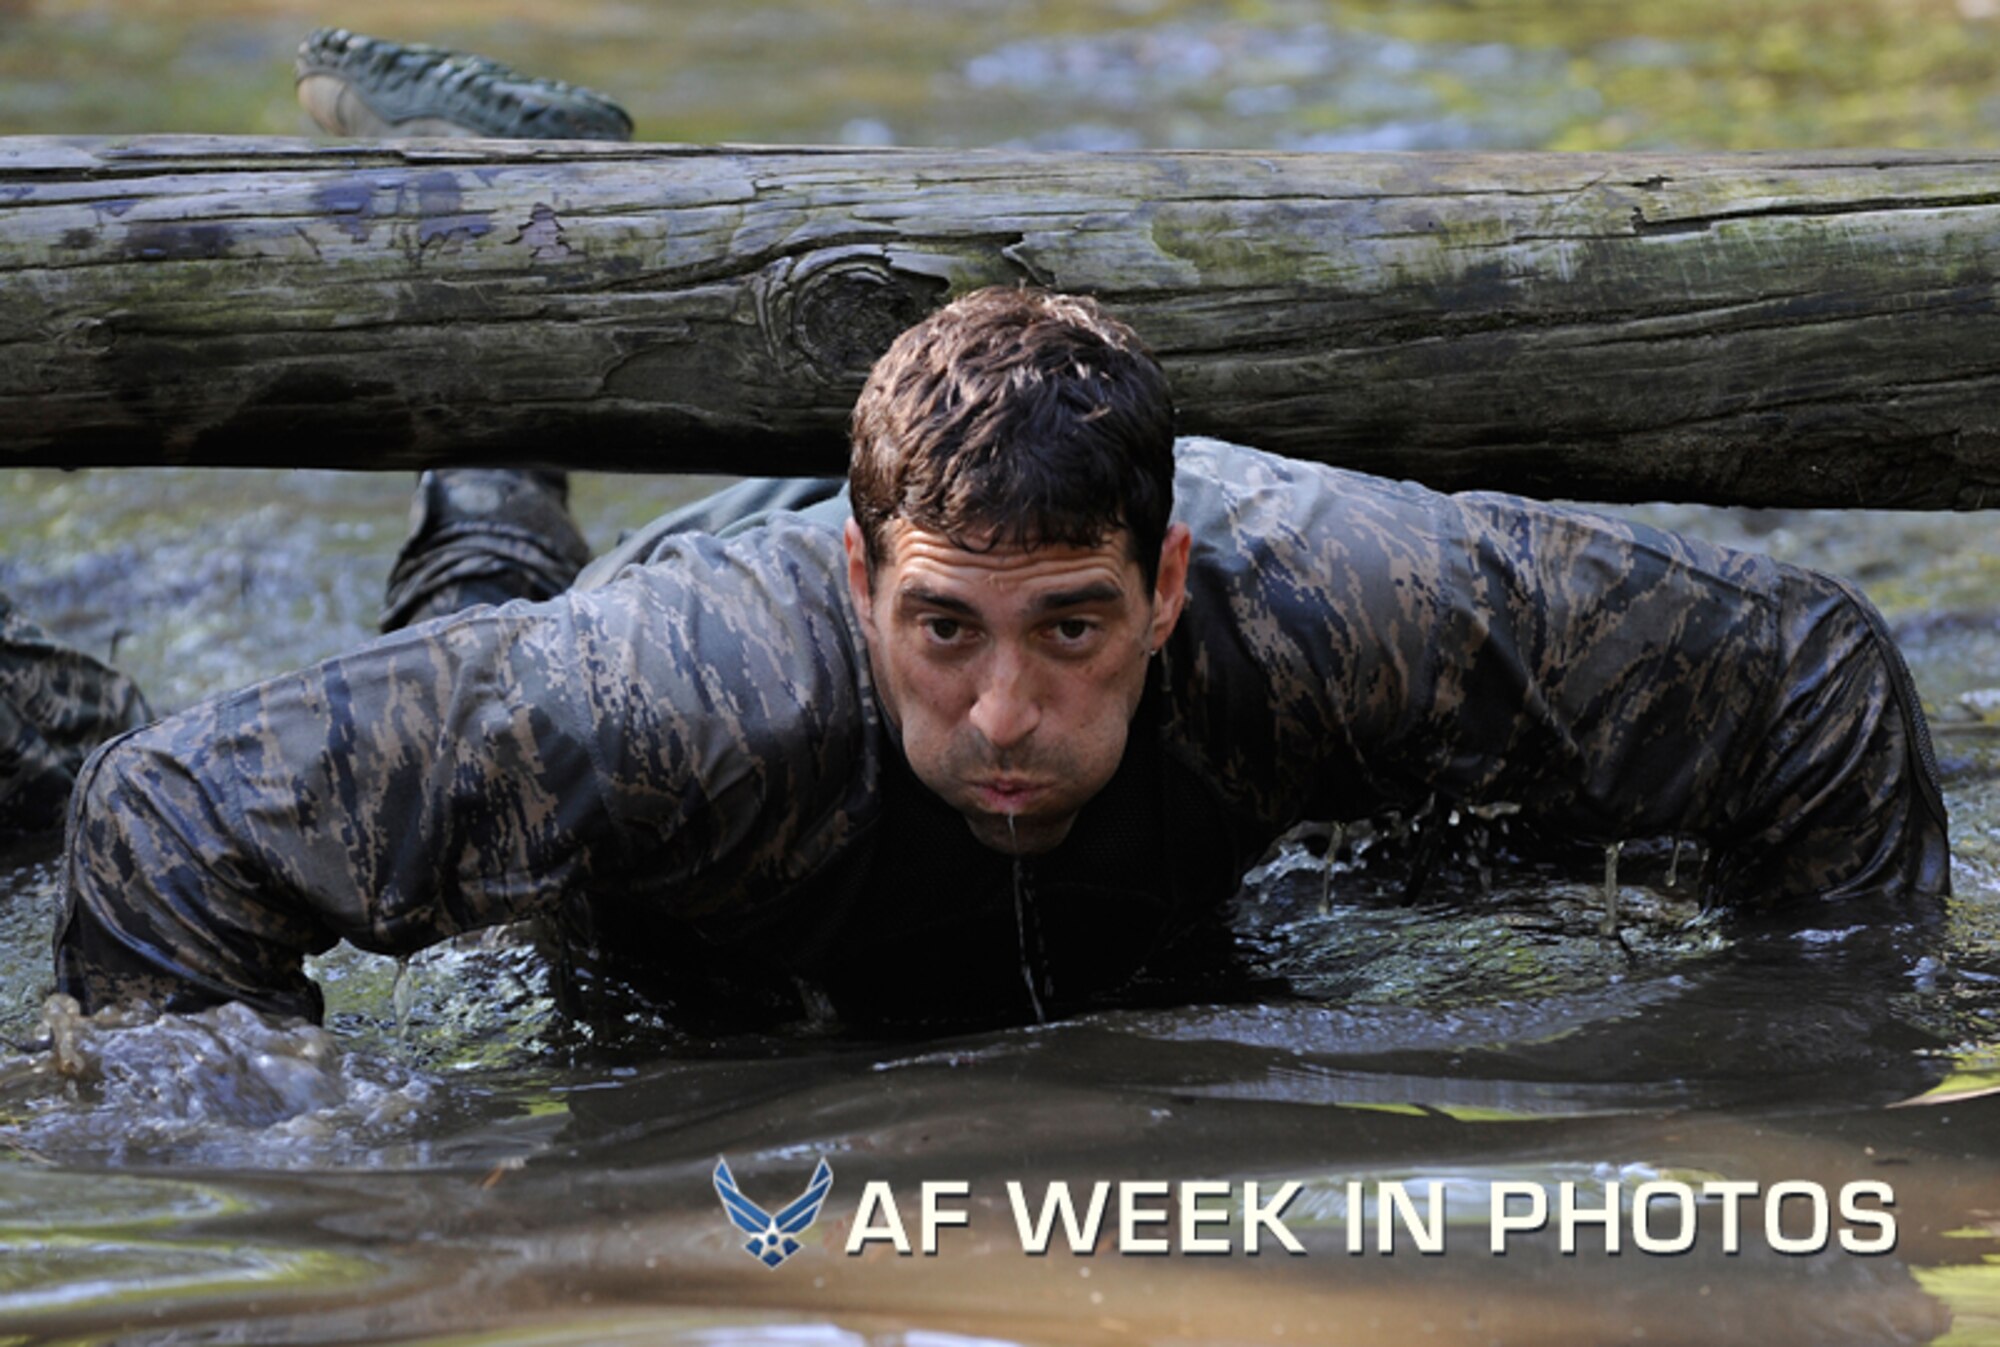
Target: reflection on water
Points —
{"points": [[451, 1160]]}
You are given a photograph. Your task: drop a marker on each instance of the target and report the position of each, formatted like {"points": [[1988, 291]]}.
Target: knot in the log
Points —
{"points": [[834, 312]]}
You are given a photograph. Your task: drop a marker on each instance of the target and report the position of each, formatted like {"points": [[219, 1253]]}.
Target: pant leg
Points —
{"points": [[56, 705]]}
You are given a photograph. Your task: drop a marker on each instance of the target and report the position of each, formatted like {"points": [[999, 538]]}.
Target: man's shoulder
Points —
{"points": [[1216, 480], [735, 672], [779, 574], [1238, 498], [1263, 518], [1206, 464]]}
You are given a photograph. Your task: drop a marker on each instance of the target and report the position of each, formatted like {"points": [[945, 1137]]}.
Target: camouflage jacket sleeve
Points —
{"points": [[690, 733], [1354, 645]]}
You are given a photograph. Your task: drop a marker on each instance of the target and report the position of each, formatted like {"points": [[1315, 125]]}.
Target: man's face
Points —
{"points": [[1013, 674]]}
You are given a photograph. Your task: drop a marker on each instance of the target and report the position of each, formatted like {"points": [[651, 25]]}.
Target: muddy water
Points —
{"points": [[450, 1160]]}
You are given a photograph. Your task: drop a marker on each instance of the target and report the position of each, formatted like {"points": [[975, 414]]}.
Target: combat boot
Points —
{"points": [[483, 535], [354, 85]]}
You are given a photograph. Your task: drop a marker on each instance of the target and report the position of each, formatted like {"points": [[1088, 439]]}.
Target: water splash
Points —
{"points": [[1028, 976], [1674, 865], [225, 1086]]}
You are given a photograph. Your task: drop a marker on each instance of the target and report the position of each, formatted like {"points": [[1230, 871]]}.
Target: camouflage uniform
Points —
{"points": [[686, 761], [56, 705]]}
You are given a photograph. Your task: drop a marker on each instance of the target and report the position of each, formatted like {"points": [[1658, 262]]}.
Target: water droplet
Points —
{"points": [[401, 993], [1337, 833], [1609, 927]]}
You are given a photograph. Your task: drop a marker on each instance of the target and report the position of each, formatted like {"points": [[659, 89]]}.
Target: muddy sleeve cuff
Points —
{"points": [[145, 918], [1839, 797]]}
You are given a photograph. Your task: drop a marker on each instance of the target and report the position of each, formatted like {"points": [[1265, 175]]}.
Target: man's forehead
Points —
{"points": [[918, 550]]}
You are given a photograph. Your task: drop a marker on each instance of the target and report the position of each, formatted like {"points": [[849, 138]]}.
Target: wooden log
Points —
{"points": [[1760, 329]]}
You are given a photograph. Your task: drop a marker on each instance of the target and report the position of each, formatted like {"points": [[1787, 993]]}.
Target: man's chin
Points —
{"points": [[1022, 835]]}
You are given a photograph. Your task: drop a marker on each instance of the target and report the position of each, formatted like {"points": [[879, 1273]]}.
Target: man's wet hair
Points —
{"points": [[1016, 417]]}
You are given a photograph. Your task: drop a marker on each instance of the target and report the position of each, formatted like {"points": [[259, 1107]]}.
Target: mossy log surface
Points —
{"points": [[1759, 329]]}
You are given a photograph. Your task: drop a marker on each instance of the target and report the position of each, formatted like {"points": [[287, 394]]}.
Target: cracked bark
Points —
{"points": [[1760, 329]]}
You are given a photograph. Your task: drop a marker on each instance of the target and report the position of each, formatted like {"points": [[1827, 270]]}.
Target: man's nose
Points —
{"points": [[1007, 709]]}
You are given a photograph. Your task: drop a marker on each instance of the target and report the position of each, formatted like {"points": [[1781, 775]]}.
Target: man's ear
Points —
{"points": [[1170, 585], [858, 586]]}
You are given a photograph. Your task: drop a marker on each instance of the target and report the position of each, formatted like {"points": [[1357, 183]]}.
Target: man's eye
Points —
{"points": [[941, 628], [1074, 629]]}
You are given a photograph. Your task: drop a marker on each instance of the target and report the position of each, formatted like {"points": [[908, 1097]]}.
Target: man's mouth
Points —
{"points": [[1007, 795]]}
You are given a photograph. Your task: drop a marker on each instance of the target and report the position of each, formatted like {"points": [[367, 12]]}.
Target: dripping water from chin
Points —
{"points": [[1021, 923], [1608, 927], [402, 993]]}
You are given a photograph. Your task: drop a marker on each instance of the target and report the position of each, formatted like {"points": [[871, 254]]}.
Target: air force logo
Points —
{"points": [[771, 1241]]}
